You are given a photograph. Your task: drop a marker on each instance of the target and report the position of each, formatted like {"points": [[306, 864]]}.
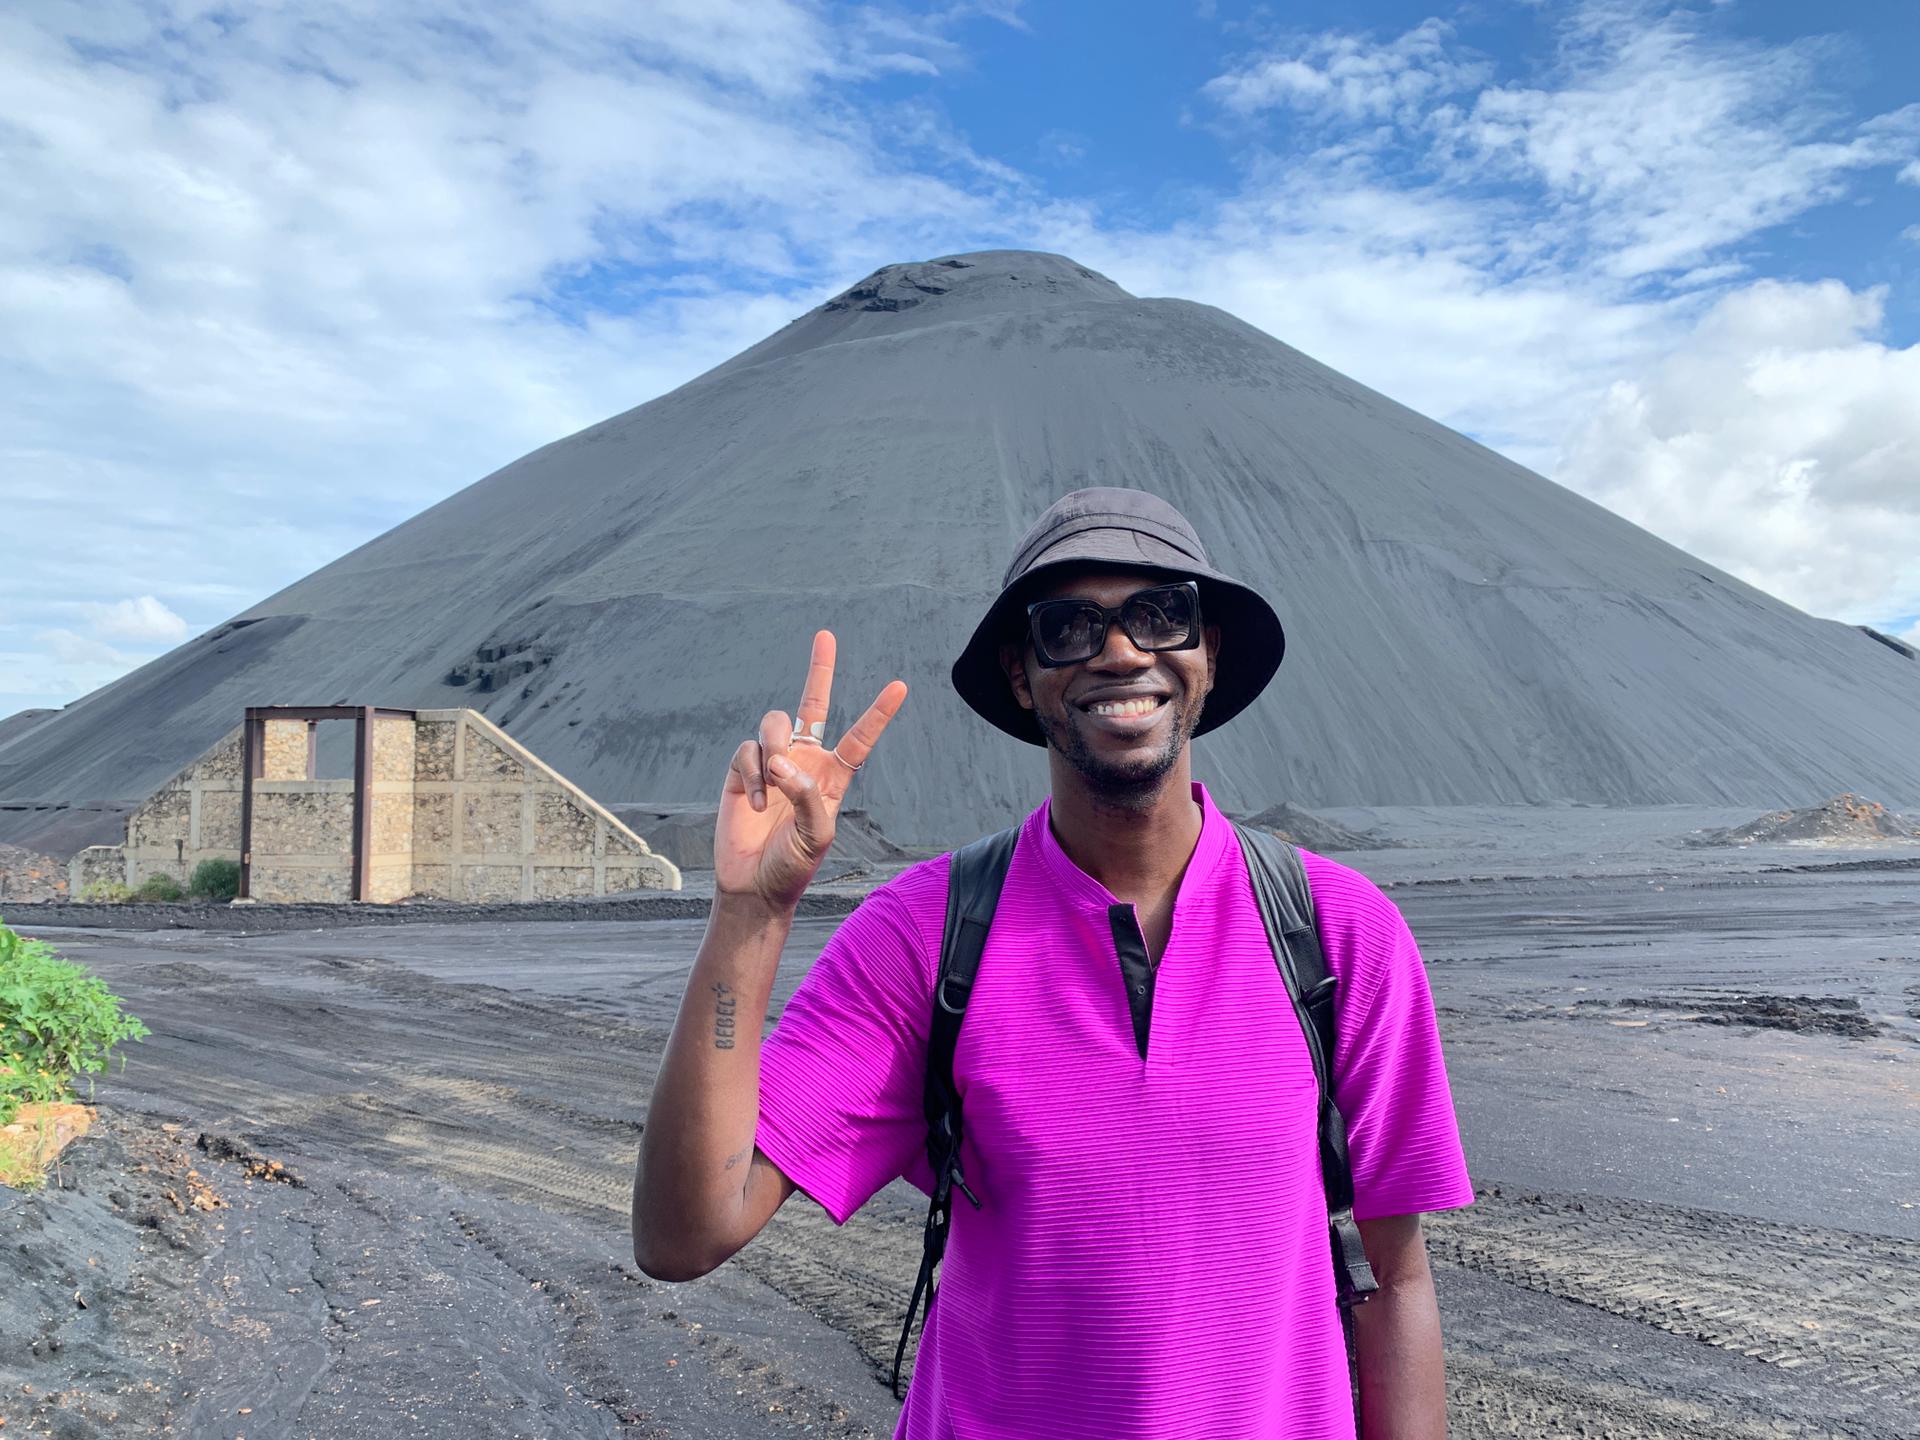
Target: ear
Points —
{"points": [[1212, 641], [1014, 662]]}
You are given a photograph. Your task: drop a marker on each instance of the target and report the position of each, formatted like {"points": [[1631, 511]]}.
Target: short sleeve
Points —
{"points": [[1390, 1079], [843, 1072]]}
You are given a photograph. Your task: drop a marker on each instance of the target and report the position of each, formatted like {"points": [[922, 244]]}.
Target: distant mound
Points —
{"points": [[627, 601], [684, 834], [1315, 832], [1843, 820]]}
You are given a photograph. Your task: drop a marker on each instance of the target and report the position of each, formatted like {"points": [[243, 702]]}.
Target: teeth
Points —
{"points": [[1144, 706]]}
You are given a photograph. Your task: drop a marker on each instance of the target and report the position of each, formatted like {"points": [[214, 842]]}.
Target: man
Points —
{"points": [[1149, 1256]]}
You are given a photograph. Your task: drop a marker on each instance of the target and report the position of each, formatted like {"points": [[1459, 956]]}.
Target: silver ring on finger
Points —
{"points": [[844, 761], [810, 735]]}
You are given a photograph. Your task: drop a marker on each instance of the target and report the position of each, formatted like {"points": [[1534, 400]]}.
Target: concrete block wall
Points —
{"points": [[195, 816], [459, 811], [493, 822], [390, 854], [302, 839], [285, 753]]}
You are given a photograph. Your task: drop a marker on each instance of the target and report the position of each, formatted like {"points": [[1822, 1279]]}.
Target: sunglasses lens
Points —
{"points": [[1159, 619], [1067, 630]]}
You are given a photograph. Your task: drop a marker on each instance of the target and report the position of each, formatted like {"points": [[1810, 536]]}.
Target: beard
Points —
{"points": [[1129, 783]]}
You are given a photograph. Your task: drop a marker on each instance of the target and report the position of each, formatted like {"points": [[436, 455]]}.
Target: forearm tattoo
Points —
{"points": [[724, 1005]]}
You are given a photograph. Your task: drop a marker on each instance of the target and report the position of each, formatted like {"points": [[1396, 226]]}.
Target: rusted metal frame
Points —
{"points": [[302, 712], [363, 801], [324, 712], [253, 764]]}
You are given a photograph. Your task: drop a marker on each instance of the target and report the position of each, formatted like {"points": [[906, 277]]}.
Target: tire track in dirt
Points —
{"points": [[1841, 1305], [1489, 1398]]}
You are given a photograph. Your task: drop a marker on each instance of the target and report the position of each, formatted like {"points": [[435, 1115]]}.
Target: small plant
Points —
{"points": [[105, 892], [160, 886], [57, 1022], [215, 880]]}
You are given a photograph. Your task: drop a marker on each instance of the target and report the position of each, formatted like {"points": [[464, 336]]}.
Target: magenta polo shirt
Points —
{"points": [[1151, 1255]]}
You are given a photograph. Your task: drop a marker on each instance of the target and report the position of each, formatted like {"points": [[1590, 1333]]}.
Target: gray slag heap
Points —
{"points": [[629, 600]]}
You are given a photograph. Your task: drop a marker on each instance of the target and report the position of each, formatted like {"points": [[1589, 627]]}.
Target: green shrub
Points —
{"points": [[106, 892], [56, 1022], [161, 886], [215, 880]]}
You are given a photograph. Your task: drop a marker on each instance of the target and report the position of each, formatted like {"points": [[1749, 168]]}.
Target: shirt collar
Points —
{"points": [[1073, 883]]}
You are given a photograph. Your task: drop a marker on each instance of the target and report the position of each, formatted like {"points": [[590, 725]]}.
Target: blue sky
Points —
{"points": [[273, 279]]}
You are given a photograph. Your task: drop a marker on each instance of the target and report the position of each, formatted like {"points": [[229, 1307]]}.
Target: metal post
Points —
{"points": [[253, 759], [362, 801]]}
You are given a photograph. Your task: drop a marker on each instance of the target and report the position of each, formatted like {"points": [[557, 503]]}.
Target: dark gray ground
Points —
{"points": [[628, 600], [1688, 1094]]}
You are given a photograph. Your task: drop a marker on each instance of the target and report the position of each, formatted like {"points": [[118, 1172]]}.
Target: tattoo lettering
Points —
{"points": [[723, 1015], [737, 1156]]}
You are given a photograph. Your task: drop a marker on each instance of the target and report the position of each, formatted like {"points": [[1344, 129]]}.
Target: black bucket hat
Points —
{"points": [[1128, 529]]}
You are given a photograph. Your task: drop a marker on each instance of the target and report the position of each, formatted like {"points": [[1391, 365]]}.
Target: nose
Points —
{"points": [[1119, 654]]}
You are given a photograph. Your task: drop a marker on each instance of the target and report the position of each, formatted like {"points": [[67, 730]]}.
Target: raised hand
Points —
{"points": [[782, 796]]}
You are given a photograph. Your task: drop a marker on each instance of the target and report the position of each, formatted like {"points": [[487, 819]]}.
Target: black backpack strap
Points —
{"points": [[974, 882], [1286, 907]]}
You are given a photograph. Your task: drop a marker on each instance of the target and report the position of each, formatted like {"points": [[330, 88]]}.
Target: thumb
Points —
{"points": [[812, 821]]}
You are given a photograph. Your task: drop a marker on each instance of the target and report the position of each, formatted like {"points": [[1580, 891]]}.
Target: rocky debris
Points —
{"points": [[1803, 1014], [37, 1135], [253, 1165], [1844, 820], [1314, 832], [25, 876]]}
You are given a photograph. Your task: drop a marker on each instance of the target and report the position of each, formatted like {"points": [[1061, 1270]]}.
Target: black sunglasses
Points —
{"points": [[1161, 617]]}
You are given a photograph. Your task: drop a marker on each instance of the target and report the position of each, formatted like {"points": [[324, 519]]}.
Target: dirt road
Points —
{"points": [[1689, 1101]]}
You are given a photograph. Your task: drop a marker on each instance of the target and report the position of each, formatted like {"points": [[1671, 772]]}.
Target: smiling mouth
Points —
{"points": [[1144, 705]]}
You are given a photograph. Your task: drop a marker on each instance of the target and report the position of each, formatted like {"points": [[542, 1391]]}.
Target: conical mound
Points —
{"points": [[629, 601]]}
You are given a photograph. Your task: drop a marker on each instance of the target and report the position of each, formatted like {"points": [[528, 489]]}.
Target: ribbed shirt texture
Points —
{"points": [[1151, 1255]]}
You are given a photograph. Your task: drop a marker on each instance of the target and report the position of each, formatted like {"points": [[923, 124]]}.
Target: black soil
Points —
{"points": [[1708, 1231]]}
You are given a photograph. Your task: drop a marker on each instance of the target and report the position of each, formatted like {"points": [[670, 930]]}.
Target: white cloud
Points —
{"points": [[1663, 148], [1657, 143], [61, 665], [1910, 174], [1351, 76], [1780, 442], [1564, 270], [143, 619]]}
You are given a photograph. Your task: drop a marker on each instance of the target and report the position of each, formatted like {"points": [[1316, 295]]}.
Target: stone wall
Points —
{"points": [[286, 750], [390, 854], [193, 817], [459, 811], [302, 840], [95, 863], [493, 822]]}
